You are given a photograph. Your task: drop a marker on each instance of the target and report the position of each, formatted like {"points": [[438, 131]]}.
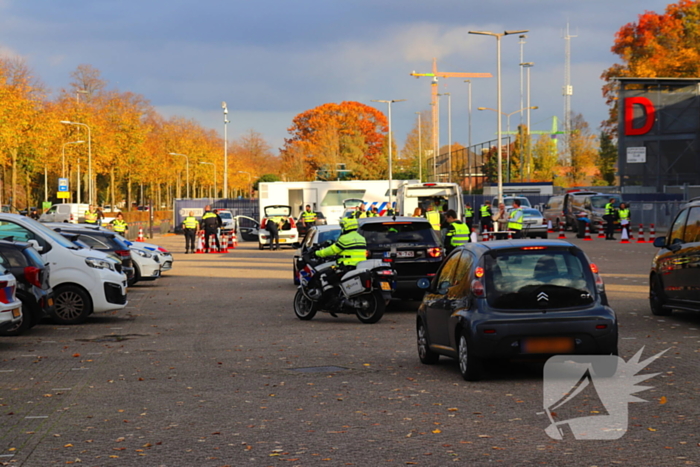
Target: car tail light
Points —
{"points": [[263, 223], [489, 331], [479, 272], [601, 326], [292, 224], [435, 252], [385, 272], [7, 293], [599, 284], [477, 288], [123, 253], [387, 260], [533, 248], [594, 268], [33, 275], [368, 283]]}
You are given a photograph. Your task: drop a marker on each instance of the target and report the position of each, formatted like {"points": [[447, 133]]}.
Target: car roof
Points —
{"points": [[327, 227], [384, 219], [497, 245]]}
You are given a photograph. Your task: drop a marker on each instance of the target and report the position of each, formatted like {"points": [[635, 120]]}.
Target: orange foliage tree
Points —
{"points": [[350, 133], [658, 45]]}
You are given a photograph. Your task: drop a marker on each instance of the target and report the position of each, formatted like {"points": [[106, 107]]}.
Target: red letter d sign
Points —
{"points": [[650, 116]]}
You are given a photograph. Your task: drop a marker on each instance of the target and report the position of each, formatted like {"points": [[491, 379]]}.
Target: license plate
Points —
{"points": [[50, 301], [282, 240], [385, 285], [548, 345], [400, 254], [16, 313]]}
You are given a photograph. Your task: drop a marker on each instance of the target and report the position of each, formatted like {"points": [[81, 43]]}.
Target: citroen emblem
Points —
{"points": [[542, 296]]}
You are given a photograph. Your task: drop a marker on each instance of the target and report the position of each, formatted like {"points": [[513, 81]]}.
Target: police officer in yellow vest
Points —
{"points": [[308, 217], [119, 225], [190, 226], [351, 247], [210, 224], [91, 215], [625, 218], [360, 212], [610, 217], [485, 214], [515, 220], [468, 215], [457, 233]]}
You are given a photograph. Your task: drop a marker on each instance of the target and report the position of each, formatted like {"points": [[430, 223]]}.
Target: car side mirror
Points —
{"points": [[660, 242], [35, 245]]}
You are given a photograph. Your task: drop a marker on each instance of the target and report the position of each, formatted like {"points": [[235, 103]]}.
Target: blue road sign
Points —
{"points": [[62, 184]]}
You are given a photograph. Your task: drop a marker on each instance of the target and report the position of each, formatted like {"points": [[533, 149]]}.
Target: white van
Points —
{"points": [[410, 196], [84, 281], [73, 213]]}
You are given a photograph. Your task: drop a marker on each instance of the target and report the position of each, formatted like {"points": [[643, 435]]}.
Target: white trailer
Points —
{"points": [[413, 195], [327, 197]]}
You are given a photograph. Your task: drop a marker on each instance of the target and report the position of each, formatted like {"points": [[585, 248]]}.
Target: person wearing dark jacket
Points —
{"points": [[210, 224]]}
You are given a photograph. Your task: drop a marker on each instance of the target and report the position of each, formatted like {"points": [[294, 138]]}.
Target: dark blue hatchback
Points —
{"points": [[514, 299]]}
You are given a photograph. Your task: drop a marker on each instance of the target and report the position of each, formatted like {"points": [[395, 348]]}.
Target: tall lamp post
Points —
{"points": [[187, 169], [389, 102], [449, 134], [213, 165], [63, 161], [527, 66], [498, 99], [508, 131], [223, 106], [91, 199], [420, 150], [250, 182]]}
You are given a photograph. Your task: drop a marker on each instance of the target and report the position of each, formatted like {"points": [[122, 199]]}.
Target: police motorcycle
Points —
{"points": [[363, 291]]}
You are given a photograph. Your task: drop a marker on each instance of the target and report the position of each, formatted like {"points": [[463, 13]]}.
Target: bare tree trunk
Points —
{"points": [[28, 190], [128, 193], [111, 187]]}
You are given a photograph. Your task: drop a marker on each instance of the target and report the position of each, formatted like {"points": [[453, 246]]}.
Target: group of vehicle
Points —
{"points": [[66, 272]]}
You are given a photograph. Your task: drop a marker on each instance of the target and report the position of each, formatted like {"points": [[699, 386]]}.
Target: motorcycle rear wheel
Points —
{"points": [[373, 308], [304, 308]]}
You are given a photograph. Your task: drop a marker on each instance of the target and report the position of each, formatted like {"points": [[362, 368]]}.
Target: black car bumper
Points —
{"points": [[113, 293]]}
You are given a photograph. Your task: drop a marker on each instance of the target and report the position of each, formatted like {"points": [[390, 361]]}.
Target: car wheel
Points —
{"points": [[469, 364], [72, 305], [427, 356], [657, 298], [25, 320], [137, 276], [304, 308], [372, 308]]}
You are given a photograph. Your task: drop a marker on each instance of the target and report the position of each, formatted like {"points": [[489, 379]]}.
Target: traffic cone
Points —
{"points": [[624, 237], [562, 235], [587, 234], [510, 235], [232, 241], [200, 244], [140, 237], [640, 236], [601, 230], [550, 229], [652, 233], [224, 244], [212, 244], [485, 235]]}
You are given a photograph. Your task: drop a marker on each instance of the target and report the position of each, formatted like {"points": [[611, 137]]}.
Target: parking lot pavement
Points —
{"points": [[208, 366]]}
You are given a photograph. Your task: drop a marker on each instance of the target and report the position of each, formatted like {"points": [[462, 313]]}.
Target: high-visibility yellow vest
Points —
{"points": [[515, 221], [351, 248], [208, 215], [119, 225], [610, 209], [484, 210], [90, 217], [624, 214], [308, 217], [468, 213], [434, 219], [190, 222], [458, 234]]}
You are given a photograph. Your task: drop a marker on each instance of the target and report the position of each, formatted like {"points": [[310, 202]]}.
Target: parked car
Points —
{"points": [[72, 213], [508, 201], [33, 288], [410, 244], [316, 235], [565, 208], [289, 236], [534, 224], [84, 281], [514, 300], [675, 270], [227, 220], [10, 305], [594, 207]]}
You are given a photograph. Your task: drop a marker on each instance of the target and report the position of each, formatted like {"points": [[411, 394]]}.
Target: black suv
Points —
{"points": [[410, 244], [513, 300], [675, 270], [33, 288]]}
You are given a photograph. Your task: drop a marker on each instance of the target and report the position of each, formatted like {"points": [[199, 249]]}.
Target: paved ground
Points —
{"points": [[206, 367]]}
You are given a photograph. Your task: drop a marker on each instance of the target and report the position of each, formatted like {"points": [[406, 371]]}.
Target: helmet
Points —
{"points": [[348, 224]]}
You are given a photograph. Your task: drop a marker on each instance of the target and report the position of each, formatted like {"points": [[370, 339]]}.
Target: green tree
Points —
{"points": [[544, 158], [607, 158]]}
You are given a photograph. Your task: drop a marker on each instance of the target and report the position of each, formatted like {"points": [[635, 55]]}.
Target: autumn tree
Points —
{"points": [[544, 158], [607, 158], [582, 151], [350, 133], [657, 45]]}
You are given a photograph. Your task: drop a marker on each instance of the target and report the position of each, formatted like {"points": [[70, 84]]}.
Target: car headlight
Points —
{"points": [[98, 263], [145, 254]]}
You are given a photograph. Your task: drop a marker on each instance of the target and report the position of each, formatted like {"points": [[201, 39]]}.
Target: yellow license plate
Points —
{"points": [[385, 285], [50, 301], [282, 240], [16, 313], [548, 345]]}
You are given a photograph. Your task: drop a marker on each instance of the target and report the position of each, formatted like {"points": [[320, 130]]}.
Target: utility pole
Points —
{"points": [[568, 91]]}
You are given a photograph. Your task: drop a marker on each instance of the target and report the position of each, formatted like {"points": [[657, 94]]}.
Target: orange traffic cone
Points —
{"points": [[601, 230], [232, 241], [485, 235], [212, 244], [140, 237], [224, 244], [200, 244], [587, 234], [510, 235], [562, 235], [624, 238], [640, 235], [652, 233]]}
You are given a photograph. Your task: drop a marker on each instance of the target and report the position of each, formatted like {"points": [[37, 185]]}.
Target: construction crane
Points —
{"points": [[434, 101]]}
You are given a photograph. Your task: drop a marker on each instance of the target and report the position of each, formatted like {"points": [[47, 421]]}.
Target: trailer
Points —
{"points": [[327, 197]]}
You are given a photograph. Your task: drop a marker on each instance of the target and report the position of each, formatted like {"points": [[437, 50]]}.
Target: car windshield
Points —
{"points": [[398, 232], [225, 215], [600, 201], [537, 279], [529, 213], [331, 235], [509, 202]]}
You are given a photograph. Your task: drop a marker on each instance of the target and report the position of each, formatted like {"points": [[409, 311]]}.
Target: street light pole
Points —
{"points": [[420, 150], [389, 102], [528, 65], [90, 190], [187, 170], [225, 191], [498, 100], [63, 163], [214, 165]]}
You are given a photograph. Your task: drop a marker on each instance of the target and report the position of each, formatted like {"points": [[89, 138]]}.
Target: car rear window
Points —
{"points": [[12, 258], [398, 232], [538, 279]]}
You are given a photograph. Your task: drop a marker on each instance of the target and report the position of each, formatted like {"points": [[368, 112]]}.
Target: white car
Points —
{"points": [[227, 220], [288, 234], [10, 305]]}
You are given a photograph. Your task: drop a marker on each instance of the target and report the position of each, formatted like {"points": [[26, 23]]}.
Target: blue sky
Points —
{"points": [[272, 59]]}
